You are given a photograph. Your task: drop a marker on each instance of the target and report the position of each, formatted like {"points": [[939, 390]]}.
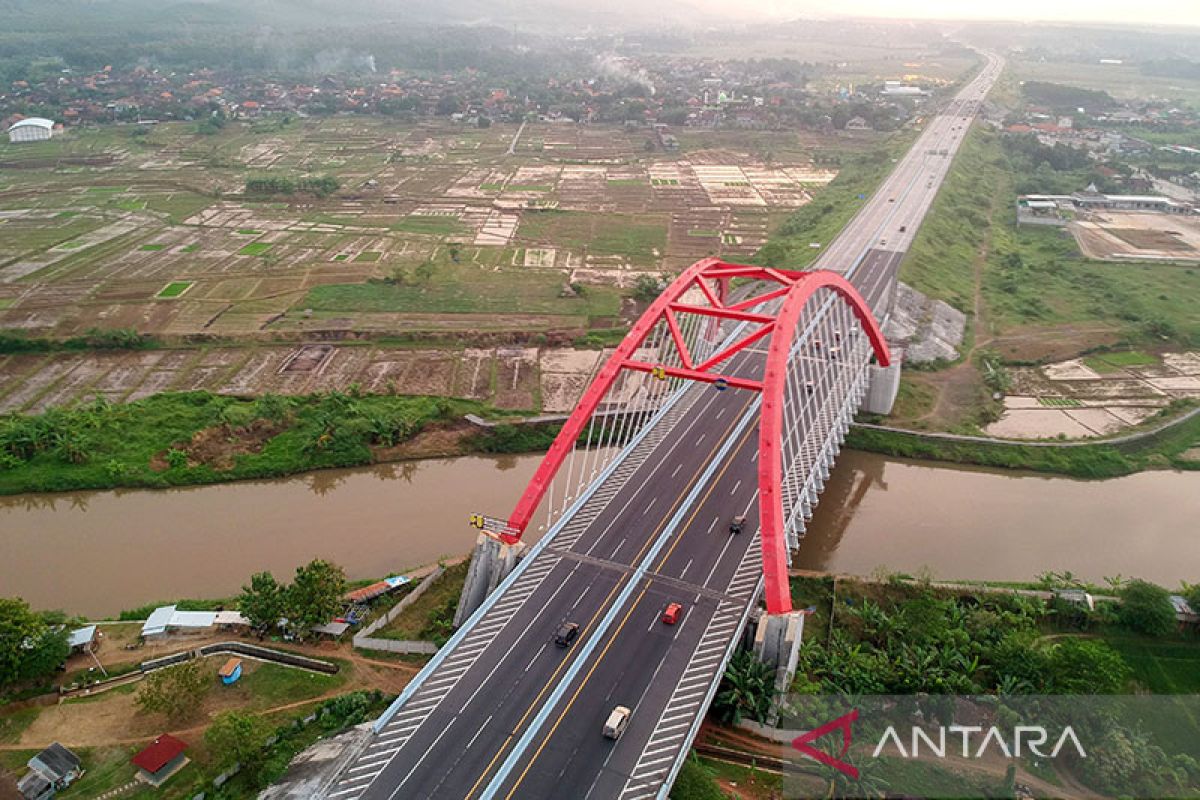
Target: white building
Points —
{"points": [[34, 129]]}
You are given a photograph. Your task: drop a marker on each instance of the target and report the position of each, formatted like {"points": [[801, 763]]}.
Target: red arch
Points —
{"points": [[564, 442], [770, 428], [712, 277]]}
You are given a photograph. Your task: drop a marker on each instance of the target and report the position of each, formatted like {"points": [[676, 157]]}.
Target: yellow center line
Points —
{"points": [[607, 600], [633, 607]]}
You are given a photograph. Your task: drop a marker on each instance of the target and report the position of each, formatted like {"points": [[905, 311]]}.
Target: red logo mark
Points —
{"points": [[801, 743]]}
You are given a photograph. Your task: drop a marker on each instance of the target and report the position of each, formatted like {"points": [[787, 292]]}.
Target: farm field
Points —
{"points": [[507, 377], [1122, 81], [104, 229]]}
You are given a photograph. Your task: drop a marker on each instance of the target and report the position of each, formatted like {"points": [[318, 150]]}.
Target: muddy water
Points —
{"points": [[96, 553], [961, 523], [99, 552]]}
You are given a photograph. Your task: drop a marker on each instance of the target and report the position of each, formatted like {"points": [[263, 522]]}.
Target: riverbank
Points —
{"points": [[1158, 444], [197, 438], [194, 438]]}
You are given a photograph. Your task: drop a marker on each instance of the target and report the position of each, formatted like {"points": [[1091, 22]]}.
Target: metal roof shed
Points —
{"points": [[156, 624]]}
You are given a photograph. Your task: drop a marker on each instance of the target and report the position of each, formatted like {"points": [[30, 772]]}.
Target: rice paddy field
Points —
{"points": [[438, 242], [99, 226]]}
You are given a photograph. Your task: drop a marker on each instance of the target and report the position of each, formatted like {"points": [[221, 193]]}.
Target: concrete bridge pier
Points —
{"points": [[777, 644], [883, 384], [491, 563]]}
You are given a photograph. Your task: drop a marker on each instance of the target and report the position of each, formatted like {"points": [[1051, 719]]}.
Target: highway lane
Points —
{"points": [[464, 742]]}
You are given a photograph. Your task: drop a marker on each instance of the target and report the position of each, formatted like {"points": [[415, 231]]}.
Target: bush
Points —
{"points": [[1146, 608], [1084, 666]]}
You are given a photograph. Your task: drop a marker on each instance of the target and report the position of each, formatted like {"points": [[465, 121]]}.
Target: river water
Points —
{"points": [[95, 553]]}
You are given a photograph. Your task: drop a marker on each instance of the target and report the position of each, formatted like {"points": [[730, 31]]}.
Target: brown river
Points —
{"points": [[95, 553]]}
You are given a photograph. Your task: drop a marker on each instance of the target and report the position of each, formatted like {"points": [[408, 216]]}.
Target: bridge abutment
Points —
{"points": [[883, 384], [491, 563]]}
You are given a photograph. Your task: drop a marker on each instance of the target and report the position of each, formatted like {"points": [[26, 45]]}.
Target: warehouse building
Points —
{"points": [[34, 129]]}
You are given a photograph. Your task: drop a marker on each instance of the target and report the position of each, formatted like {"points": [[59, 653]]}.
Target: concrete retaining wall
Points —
{"points": [[364, 640]]}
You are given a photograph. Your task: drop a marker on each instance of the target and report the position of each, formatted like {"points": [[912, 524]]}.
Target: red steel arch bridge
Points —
{"points": [[729, 398]]}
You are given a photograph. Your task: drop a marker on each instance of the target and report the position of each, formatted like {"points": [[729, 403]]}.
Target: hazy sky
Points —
{"points": [[1170, 12]]}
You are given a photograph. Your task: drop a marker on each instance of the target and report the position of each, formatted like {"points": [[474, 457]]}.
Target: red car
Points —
{"points": [[671, 615]]}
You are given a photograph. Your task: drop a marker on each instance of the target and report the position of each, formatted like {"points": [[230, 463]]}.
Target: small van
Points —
{"points": [[617, 720]]}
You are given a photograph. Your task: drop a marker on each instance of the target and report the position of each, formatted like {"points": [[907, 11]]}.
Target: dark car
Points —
{"points": [[737, 524], [566, 634]]}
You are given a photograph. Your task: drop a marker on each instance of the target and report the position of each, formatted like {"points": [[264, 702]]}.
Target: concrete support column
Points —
{"points": [[777, 644], [491, 563], [884, 384]]}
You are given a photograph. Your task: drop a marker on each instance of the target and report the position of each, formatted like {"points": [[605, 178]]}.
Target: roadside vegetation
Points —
{"points": [[819, 222], [907, 637]]}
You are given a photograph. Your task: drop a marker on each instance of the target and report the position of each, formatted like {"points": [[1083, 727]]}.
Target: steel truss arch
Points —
{"points": [[788, 291]]}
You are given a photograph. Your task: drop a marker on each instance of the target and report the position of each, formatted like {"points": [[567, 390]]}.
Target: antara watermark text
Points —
{"points": [[977, 741]]}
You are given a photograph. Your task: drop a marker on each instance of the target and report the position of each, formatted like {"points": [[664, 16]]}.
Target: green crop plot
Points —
{"points": [[617, 182], [1059, 402], [249, 232], [703, 232], [152, 248], [1113, 362], [191, 248], [369, 256], [431, 226], [255, 249], [174, 289]]}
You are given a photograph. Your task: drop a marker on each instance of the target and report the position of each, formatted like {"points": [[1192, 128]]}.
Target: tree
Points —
{"points": [[315, 595], [262, 601], [175, 692], [647, 288], [746, 690], [1191, 593], [1146, 608], [30, 646], [237, 738]]}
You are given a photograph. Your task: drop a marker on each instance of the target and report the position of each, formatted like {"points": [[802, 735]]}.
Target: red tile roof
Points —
{"points": [[159, 753]]}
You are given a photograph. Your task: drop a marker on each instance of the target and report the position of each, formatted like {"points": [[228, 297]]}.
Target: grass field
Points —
{"points": [[431, 226], [638, 238], [821, 220], [1122, 81], [1162, 666], [465, 289], [174, 289], [1036, 277]]}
